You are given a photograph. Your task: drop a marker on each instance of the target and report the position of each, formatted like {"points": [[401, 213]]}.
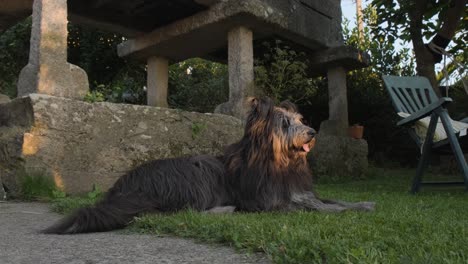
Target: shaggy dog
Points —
{"points": [[266, 170]]}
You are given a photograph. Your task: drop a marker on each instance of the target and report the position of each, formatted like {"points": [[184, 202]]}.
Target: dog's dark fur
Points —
{"points": [[261, 172]]}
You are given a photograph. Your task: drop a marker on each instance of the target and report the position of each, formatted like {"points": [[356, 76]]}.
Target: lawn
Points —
{"points": [[430, 227]]}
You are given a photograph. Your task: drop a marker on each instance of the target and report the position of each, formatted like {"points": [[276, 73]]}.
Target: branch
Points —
{"points": [[451, 19]]}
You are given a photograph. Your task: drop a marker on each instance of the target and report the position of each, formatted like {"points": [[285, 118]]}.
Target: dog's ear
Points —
{"points": [[289, 106], [252, 102], [261, 111], [260, 108]]}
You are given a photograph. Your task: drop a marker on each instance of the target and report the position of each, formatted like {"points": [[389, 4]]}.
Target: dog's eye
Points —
{"points": [[286, 123]]}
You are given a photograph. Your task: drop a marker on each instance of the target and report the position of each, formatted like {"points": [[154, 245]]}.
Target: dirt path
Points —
{"points": [[20, 243]]}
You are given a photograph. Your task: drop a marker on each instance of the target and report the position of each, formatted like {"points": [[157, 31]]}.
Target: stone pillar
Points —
{"points": [[48, 71], [241, 73], [157, 81], [337, 123], [336, 155]]}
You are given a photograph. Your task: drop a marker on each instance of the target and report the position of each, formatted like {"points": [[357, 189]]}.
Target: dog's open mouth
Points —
{"points": [[308, 146]]}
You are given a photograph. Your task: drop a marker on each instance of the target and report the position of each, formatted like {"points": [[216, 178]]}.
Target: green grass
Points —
{"points": [[66, 204], [37, 186], [430, 227]]}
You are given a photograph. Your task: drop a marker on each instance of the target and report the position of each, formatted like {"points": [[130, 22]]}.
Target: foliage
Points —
{"points": [[14, 55], [194, 84], [418, 21], [94, 96], [426, 228], [393, 22], [385, 59], [282, 73], [36, 185], [111, 78], [197, 129], [198, 85]]}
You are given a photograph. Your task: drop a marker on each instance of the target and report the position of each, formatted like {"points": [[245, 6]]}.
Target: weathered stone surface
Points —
{"points": [[241, 71], [4, 99], [346, 57], [208, 28], [339, 157], [81, 144], [10, 157], [48, 71], [15, 117]]}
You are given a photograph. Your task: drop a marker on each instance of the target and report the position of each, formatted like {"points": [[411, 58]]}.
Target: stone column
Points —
{"points": [[241, 73], [335, 153], [337, 123], [157, 81], [48, 71]]}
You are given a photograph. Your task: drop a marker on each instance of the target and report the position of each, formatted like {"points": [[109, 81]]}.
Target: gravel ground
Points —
{"points": [[20, 243]]}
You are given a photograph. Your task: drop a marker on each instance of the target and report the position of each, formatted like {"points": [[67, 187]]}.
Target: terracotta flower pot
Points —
{"points": [[356, 131]]}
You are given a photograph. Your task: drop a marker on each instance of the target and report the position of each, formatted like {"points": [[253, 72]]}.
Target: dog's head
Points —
{"points": [[279, 128]]}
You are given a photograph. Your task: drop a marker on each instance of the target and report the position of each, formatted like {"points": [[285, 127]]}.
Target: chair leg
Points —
{"points": [[425, 156], [455, 145]]}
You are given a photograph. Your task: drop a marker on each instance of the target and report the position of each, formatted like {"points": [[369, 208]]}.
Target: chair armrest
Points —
{"points": [[425, 111]]}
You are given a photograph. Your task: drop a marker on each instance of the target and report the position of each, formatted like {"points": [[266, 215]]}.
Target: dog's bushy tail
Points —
{"points": [[109, 214]]}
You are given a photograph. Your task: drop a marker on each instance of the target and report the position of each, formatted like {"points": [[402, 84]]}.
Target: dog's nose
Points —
{"points": [[312, 132]]}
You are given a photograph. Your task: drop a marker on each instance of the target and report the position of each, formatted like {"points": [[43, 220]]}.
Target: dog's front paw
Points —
{"points": [[366, 206], [221, 210]]}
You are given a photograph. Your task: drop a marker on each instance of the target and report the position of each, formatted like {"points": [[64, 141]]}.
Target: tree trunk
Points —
{"points": [[425, 65], [424, 60], [452, 18]]}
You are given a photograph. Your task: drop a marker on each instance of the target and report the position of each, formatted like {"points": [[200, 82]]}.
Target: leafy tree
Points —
{"points": [[419, 20], [385, 59]]}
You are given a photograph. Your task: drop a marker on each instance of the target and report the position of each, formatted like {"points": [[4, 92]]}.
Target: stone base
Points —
{"points": [[63, 80], [337, 157], [81, 144], [4, 99]]}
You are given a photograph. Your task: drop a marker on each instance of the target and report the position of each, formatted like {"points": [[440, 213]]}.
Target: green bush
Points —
{"points": [[198, 85]]}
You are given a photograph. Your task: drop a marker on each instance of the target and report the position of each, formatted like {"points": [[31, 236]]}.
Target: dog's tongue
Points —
{"points": [[306, 147]]}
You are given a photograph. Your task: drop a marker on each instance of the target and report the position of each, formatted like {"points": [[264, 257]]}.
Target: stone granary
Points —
{"points": [[161, 32]]}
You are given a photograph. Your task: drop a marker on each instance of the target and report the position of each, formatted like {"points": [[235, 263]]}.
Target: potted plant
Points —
{"points": [[356, 131]]}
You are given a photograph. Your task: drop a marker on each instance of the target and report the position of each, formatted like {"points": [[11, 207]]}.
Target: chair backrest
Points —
{"points": [[409, 94]]}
